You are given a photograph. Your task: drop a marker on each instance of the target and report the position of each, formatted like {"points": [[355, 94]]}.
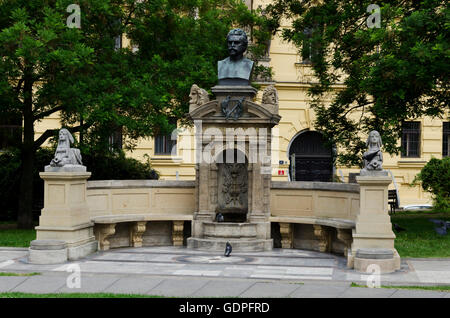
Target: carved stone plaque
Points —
{"points": [[232, 188]]}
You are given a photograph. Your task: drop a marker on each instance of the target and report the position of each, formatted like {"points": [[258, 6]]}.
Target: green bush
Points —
{"points": [[435, 178], [103, 167]]}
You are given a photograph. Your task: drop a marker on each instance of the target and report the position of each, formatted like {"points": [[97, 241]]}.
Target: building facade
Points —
{"points": [[298, 151]]}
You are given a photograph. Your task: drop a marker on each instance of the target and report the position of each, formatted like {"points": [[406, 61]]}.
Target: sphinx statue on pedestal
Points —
{"points": [[66, 157], [373, 157]]}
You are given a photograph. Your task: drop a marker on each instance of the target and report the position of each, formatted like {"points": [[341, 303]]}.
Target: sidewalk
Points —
{"points": [[180, 272]]}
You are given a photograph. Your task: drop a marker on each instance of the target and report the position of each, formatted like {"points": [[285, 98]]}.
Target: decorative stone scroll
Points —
{"points": [[286, 235], [345, 236], [322, 233], [137, 230], [177, 233], [102, 233]]}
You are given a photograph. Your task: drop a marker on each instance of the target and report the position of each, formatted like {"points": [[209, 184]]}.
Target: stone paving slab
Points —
{"points": [[134, 285], [319, 291], [41, 284], [360, 292], [223, 288], [178, 287], [92, 284], [7, 283], [410, 293], [430, 265], [270, 290], [12, 254]]}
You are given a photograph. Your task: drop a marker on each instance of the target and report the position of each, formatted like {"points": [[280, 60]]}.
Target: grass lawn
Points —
{"points": [[16, 238], [420, 238], [18, 274], [443, 288], [75, 295]]}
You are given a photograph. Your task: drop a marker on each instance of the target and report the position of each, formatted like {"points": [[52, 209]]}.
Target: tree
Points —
{"points": [[94, 86], [392, 59], [435, 178]]}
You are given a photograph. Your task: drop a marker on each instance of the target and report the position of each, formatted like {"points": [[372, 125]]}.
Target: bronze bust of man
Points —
{"points": [[235, 69]]}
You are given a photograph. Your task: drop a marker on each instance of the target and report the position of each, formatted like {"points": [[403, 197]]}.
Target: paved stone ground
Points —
{"points": [[180, 272]]}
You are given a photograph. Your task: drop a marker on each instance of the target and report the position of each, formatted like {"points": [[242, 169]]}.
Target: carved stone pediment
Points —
{"points": [[251, 112]]}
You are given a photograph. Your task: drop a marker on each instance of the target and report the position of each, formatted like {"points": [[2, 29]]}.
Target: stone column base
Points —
{"points": [[47, 252], [386, 260], [80, 240]]}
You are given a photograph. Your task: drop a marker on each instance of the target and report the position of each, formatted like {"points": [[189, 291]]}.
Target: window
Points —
{"points": [[310, 47], [411, 139], [446, 139], [307, 47], [116, 140], [164, 143]]}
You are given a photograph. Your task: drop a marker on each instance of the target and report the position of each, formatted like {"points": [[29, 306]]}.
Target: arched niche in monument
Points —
{"points": [[232, 183]]}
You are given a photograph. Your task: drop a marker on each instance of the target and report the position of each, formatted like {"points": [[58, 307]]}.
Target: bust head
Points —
{"points": [[198, 96], [194, 94], [270, 95], [374, 140], [65, 137], [237, 43]]}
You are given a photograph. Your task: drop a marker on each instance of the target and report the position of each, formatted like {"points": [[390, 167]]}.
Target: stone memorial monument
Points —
{"points": [[373, 238], [65, 230], [233, 162]]}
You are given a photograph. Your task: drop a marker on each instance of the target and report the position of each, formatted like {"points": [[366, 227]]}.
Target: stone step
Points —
{"points": [[229, 230], [238, 245]]}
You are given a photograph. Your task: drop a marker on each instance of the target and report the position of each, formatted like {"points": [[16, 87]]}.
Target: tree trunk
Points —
{"points": [[25, 214]]}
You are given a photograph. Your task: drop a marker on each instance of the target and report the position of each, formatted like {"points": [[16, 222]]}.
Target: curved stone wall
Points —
{"points": [[164, 197], [314, 200], [147, 197]]}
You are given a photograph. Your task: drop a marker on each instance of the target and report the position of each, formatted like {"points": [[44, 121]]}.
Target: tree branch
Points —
{"points": [[47, 112], [51, 132], [355, 107]]}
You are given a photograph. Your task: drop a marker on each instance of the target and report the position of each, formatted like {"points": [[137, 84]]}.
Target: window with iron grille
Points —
{"points": [[164, 143], [411, 139], [446, 139]]}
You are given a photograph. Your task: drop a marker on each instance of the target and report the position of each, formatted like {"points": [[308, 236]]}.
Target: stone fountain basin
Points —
{"points": [[229, 230]]}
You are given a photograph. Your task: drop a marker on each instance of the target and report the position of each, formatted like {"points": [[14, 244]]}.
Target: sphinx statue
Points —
{"points": [[373, 157], [64, 155]]}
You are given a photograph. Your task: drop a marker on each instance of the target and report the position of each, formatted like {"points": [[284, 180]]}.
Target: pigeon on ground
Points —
{"points": [[219, 217], [441, 226], [398, 228], [228, 249]]}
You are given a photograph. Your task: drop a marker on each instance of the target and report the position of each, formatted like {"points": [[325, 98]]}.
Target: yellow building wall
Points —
{"points": [[291, 79]]}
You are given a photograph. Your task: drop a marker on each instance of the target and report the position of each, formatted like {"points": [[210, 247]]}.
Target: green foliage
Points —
{"points": [[435, 178], [118, 167], [96, 88], [103, 166], [389, 74]]}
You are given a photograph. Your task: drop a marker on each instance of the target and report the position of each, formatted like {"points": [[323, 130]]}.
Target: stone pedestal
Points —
{"points": [[373, 238], [65, 215], [222, 91]]}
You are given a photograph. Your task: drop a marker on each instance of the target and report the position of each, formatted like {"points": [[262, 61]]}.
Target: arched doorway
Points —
{"points": [[310, 158]]}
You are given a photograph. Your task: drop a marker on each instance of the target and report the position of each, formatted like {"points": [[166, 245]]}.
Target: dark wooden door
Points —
{"points": [[311, 159]]}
